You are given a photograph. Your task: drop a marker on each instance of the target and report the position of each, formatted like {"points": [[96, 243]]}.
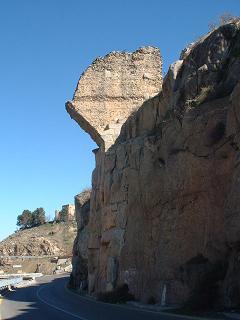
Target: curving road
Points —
{"points": [[48, 299]]}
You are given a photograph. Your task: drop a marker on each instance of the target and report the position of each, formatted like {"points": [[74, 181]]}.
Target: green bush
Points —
{"points": [[119, 295]]}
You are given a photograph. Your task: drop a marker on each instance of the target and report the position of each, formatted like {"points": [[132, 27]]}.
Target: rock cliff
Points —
{"points": [[164, 210], [79, 273]]}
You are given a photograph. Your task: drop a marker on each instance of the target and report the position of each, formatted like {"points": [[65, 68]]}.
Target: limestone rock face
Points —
{"points": [[165, 207], [79, 273], [112, 88]]}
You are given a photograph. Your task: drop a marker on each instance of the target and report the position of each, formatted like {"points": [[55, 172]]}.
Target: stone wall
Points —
{"points": [[67, 213], [164, 206], [112, 88]]}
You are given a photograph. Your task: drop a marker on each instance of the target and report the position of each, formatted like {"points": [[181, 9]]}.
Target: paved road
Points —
{"points": [[48, 299]]}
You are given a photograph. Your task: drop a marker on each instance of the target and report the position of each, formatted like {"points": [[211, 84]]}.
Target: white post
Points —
{"points": [[163, 298]]}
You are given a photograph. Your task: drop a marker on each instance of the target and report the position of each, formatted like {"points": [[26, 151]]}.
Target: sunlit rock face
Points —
{"points": [[112, 88], [79, 273], [164, 210]]}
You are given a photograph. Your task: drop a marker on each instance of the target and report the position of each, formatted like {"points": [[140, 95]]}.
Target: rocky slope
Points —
{"points": [[48, 239], [164, 210]]}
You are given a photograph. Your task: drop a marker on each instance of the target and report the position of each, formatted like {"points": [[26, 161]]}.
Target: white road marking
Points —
{"points": [[0, 307], [57, 308], [175, 315]]}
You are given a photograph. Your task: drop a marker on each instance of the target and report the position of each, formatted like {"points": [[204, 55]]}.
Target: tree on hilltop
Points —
{"points": [[30, 219], [24, 220], [39, 217]]}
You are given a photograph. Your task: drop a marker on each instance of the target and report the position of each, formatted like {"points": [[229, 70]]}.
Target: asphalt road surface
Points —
{"points": [[48, 299]]}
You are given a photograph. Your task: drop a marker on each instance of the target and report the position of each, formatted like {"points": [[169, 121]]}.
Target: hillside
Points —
{"points": [[34, 246], [48, 239]]}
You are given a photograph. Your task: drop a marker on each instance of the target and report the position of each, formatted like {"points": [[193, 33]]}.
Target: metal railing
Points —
{"points": [[22, 275], [5, 283], [34, 257]]}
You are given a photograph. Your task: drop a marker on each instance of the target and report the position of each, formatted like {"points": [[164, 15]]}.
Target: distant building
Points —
{"points": [[66, 214], [57, 216]]}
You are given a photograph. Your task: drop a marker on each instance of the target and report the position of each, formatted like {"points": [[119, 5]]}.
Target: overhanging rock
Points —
{"points": [[112, 88]]}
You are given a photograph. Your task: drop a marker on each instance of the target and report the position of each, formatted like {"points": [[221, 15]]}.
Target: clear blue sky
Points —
{"points": [[45, 45]]}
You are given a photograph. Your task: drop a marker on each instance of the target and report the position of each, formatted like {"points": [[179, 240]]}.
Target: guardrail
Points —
{"points": [[34, 257], [22, 275], [9, 282], [25, 257]]}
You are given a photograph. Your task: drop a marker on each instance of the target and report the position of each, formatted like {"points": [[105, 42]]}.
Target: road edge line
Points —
{"points": [[182, 316], [55, 307], [1, 298]]}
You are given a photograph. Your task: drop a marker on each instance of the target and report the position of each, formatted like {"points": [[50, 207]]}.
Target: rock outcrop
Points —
{"points": [[79, 273], [112, 88], [165, 208]]}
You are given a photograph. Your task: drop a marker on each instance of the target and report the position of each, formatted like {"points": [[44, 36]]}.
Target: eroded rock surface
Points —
{"points": [[79, 273], [165, 208], [112, 88]]}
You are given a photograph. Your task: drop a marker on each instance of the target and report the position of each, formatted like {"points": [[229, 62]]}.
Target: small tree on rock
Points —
{"points": [[223, 19]]}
